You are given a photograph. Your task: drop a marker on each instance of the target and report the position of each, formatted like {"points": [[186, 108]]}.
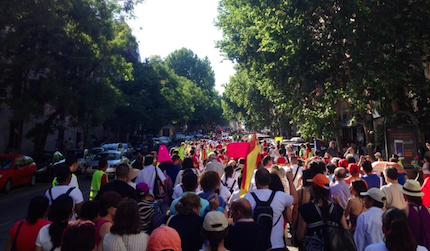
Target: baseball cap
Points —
{"points": [[142, 188], [375, 193], [164, 238], [343, 163], [353, 168], [321, 180], [215, 222]]}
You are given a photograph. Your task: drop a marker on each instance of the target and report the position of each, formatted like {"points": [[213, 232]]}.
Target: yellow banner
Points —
{"points": [[279, 139]]}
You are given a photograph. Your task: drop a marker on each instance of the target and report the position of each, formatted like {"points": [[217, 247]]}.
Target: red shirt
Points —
{"points": [[27, 235], [281, 161]]}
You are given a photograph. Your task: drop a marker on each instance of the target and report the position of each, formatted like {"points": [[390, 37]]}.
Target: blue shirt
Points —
{"points": [[173, 171], [203, 205], [206, 194], [372, 180]]}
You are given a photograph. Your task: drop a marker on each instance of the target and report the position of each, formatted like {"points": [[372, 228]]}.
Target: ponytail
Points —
{"points": [[61, 210]]}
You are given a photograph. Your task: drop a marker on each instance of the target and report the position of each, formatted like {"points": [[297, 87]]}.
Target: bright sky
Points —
{"points": [[163, 26]]}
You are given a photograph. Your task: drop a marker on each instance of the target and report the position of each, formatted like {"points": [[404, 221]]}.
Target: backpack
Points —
{"points": [[229, 188], [52, 199], [159, 189], [263, 212]]}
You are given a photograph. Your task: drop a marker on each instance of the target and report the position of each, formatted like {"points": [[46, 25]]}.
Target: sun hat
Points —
{"points": [[142, 188], [134, 172], [164, 238], [375, 193], [412, 188], [353, 168], [321, 180], [215, 221]]}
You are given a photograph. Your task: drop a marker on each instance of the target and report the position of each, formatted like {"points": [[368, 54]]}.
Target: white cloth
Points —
{"points": [[230, 183], [215, 166], [133, 242], [394, 197], [132, 184], [280, 202], [181, 174], [381, 247], [233, 197], [369, 228], [147, 175], [75, 194], [294, 168], [43, 239], [426, 169], [341, 190], [224, 192], [74, 181]]}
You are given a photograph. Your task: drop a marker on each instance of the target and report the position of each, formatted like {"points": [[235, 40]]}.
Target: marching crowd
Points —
{"points": [[196, 198]]}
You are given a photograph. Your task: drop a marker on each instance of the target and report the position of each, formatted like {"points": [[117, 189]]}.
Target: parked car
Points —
{"points": [[16, 169], [45, 161], [114, 158], [140, 147], [83, 155], [95, 150], [128, 150]]}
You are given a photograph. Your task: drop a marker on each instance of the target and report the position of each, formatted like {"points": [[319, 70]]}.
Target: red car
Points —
{"points": [[16, 169]]}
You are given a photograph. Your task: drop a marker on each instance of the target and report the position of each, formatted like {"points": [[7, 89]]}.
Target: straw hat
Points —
{"points": [[412, 188]]}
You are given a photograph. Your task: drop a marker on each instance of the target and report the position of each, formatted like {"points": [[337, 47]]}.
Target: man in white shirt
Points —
{"points": [[214, 165], [64, 176], [147, 174], [296, 170], [339, 192], [392, 190], [72, 162], [280, 202], [369, 223]]}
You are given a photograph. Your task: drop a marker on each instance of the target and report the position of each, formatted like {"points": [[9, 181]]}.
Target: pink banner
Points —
{"points": [[163, 154], [237, 150]]}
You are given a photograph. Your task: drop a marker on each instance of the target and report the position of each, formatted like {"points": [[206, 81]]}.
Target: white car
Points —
{"points": [[113, 158]]}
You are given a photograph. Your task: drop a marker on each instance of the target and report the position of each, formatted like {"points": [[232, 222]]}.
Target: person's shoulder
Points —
{"points": [[421, 248], [380, 246]]}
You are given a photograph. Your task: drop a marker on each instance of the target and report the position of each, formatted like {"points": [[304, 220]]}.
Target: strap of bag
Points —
{"points": [[121, 243], [68, 191], [16, 236], [295, 175], [168, 220], [50, 194], [263, 203]]}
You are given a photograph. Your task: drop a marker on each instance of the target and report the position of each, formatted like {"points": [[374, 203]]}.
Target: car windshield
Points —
{"points": [[78, 153], [6, 163], [110, 146], [107, 156]]}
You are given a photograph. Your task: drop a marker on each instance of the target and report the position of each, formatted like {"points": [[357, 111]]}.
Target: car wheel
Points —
{"points": [[7, 186], [33, 180]]}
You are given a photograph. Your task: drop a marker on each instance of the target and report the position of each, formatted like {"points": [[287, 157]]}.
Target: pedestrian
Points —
{"points": [[146, 206], [296, 169], [164, 238], [426, 167], [214, 165], [174, 169], [90, 211], [228, 180], [418, 215], [246, 234], [125, 232], [369, 224], [372, 180], [214, 231], [108, 204], [339, 191], [354, 170], [23, 234], [210, 182], [72, 162], [120, 184], [49, 237], [187, 221], [392, 190], [356, 205], [99, 178], [79, 236], [149, 174], [187, 165], [332, 150], [397, 235]]}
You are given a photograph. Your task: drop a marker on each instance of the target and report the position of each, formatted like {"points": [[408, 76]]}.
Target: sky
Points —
{"points": [[163, 26]]}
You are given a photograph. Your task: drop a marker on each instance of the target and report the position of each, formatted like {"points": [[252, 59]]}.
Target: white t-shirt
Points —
{"points": [[147, 175], [233, 197], [74, 181], [426, 169], [293, 168], [44, 239], [279, 203], [75, 194], [224, 192], [181, 174], [133, 242], [178, 191], [381, 247]]}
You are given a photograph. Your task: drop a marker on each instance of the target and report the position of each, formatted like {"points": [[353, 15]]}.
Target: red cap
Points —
{"points": [[343, 163], [164, 238], [321, 180], [353, 168]]}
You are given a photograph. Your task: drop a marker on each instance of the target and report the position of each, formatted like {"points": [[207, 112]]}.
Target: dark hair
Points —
{"points": [[415, 200], [137, 164], [188, 203], [102, 163], [122, 170], [359, 186], [61, 210], [108, 200], [175, 157], [398, 236], [308, 174], [70, 159], [189, 181], [283, 152], [321, 195], [37, 208], [89, 210], [276, 183], [62, 172], [262, 177], [228, 171], [240, 207], [375, 202], [427, 157], [350, 160], [266, 160], [127, 218], [192, 152], [149, 160], [187, 163], [79, 236], [330, 168], [391, 173], [367, 166], [214, 238], [318, 166], [209, 180], [241, 161]]}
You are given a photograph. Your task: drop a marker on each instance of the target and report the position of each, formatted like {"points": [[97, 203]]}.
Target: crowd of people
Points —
{"points": [[195, 198]]}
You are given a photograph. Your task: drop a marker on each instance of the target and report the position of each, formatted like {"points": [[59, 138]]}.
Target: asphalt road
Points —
{"points": [[13, 206]]}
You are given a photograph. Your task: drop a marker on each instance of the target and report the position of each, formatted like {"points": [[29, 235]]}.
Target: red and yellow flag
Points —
{"points": [[251, 162]]}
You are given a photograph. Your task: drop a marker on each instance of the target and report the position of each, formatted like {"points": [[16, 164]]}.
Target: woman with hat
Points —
{"points": [[214, 231], [418, 215]]}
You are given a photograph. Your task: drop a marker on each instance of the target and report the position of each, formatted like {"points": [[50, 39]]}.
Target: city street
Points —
{"points": [[13, 206]]}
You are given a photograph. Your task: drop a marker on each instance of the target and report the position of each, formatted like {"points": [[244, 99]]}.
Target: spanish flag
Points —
{"points": [[251, 162]]}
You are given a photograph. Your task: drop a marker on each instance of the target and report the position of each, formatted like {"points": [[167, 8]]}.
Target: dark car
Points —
{"points": [[45, 161]]}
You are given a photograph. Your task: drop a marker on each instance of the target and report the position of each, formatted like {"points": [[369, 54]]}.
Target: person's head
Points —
{"points": [[332, 144], [320, 187], [187, 163], [164, 238], [378, 155], [210, 180], [123, 172], [61, 213], [282, 152], [267, 161], [374, 197], [340, 173], [241, 209], [318, 166], [154, 154], [354, 169], [127, 218], [149, 160], [241, 162], [72, 162], [188, 204], [308, 175], [137, 164], [395, 157], [192, 152], [228, 171], [103, 164], [350, 159], [214, 229], [108, 203], [391, 174], [330, 168], [37, 209], [367, 167], [79, 236], [276, 183], [412, 191], [343, 163], [190, 182], [139, 157], [293, 160], [143, 191], [262, 178], [212, 156], [176, 159], [357, 187], [90, 211], [395, 227], [63, 174]]}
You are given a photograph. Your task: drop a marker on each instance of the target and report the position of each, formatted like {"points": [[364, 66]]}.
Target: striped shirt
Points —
{"points": [[146, 211]]}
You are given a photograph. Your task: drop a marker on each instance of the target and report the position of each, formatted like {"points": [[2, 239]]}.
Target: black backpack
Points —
{"points": [[159, 189], [52, 199], [263, 212]]}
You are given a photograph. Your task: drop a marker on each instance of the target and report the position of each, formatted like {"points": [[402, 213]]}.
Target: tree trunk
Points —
{"points": [[367, 136], [15, 136], [44, 130]]}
